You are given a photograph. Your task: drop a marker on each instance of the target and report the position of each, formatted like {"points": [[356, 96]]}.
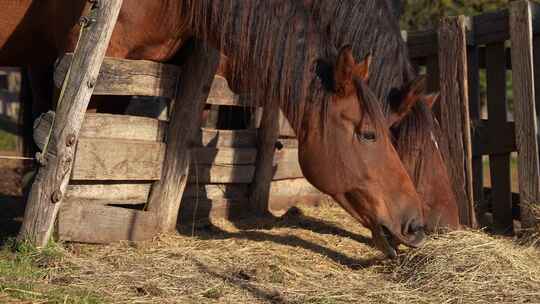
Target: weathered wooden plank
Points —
{"points": [[51, 181], [286, 165], [165, 197], [203, 210], [223, 156], [221, 174], [128, 77], [92, 223], [486, 141], [433, 82], [455, 112], [107, 159], [475, 113], [226, 138], [292, 187], [106, 126], [266, 145], [221, 93], [285, 128], [525, 108], [217, 191], [287, 143], [497, 113], [118, 193]]}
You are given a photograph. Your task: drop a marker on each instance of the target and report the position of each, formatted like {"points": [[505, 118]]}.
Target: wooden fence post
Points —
{"points": [[455, 121], [525, 109], [185, 120], [267, 136], [51, 181]]}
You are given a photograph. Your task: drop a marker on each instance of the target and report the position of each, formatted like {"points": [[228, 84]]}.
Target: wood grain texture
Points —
{"points": [[455, 122], [286, 165], [221, 93], [499, 163], [115, 159], [264, 166], [525, 108], [107, 126], [93, 223], [50, 184], [221, 174], [128, 77], [223, 156], [226, 138], [475, 113], [216, 191], [285, 128], [204, 210], [487, 141], [185, 121], [118, 193]]}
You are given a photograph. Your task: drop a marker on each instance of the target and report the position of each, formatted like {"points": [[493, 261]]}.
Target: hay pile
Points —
{"points": [[316, 256]]}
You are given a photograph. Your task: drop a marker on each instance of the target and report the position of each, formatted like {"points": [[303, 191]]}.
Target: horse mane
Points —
{"points": [[280, 55], [371, 26]]}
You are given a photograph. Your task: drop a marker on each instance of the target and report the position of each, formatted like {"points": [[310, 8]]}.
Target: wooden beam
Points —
{"points": [[499, 164], [525, 108], [455, 112], [93, 223], [221, 93], [264, 166], [107, 126], [475, 113], [51, 181], [221, 174], [127, 77], [226, 138], [204, 210], [118, 193], [216, 191], [224, 156], [165, 197], [486, 141]]}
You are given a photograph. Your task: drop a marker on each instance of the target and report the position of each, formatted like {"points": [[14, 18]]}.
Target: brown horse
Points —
{"points": [[408, 108], [345, 149]]}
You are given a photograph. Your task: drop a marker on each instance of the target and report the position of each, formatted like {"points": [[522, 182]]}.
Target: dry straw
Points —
{"points": [[318, 255]]}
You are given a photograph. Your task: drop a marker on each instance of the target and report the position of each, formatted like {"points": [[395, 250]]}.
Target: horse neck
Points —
{"points": [[271, 47]]}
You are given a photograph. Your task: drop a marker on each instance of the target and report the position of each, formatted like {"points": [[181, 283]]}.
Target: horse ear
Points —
{"points": [[361, 70], [431, 99], [412, 94], [343, 72]]}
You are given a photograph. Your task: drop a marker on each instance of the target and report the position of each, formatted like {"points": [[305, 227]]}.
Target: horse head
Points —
{"points": [[348, 154]]}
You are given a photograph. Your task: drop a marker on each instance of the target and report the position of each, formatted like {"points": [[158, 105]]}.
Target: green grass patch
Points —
{"points": [[8, 141], [28, 274]]}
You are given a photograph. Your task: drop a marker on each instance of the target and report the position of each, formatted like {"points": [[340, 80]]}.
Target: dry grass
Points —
{"points": [[302, 258]]}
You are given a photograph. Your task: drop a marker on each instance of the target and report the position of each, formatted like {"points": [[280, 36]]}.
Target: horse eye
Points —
{"points": [[366, 136]]}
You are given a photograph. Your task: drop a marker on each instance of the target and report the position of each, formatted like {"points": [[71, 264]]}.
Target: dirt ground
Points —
{"points": [[11, 202]]}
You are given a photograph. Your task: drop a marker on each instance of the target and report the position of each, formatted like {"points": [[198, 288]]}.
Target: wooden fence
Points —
{"points": [[456, 56]]}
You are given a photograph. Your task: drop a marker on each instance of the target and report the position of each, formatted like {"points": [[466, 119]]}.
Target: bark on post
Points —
{"points": [[525, 109], [455, 120], [51, 181], [185, 121], [264, 166]]}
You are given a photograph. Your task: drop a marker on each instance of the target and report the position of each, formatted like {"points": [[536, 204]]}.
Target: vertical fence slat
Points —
{"points": [[264, 166], [433, 80], [51, 181], [525, 109], [475, 110], [455, 121], [185, 120], [501, 191]]}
